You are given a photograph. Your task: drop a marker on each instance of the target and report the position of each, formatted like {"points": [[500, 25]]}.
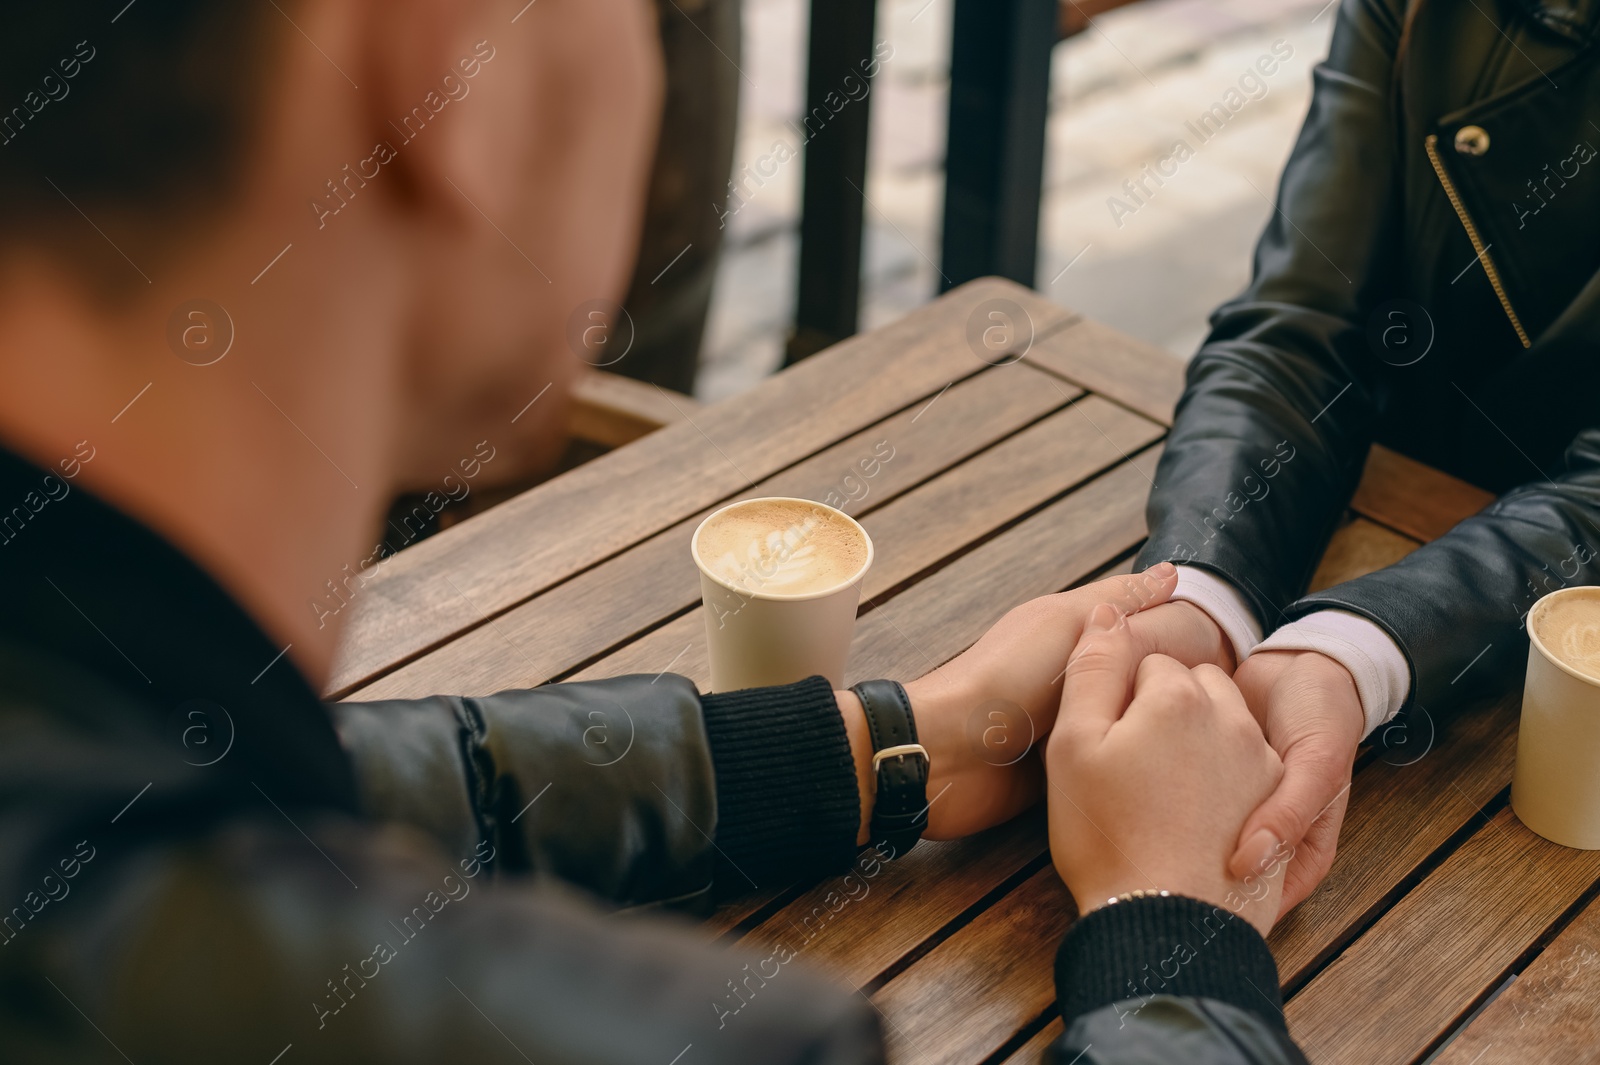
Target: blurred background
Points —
{"points": [[1126, 80], [1059, 162]]}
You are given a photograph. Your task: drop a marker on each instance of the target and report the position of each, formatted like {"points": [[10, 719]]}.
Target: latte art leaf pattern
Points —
{"points": [[1579, 647], [780, 560], [782, 547], [1569, 626]]}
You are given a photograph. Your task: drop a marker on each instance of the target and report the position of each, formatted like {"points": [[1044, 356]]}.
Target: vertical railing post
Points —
{"points": [[834, 129], [994, 162]]}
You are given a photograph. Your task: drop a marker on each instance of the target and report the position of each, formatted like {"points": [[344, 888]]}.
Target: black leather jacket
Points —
{"points": [[1429, 281]]}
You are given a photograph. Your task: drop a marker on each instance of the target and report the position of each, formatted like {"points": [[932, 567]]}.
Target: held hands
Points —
{"points": [[1153, 767], [1175, 770], [984, 716]]}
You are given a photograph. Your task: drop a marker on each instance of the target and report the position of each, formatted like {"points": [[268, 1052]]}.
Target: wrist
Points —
{"points": [[1224, 654], [1101, 892], [855, 729], [944, 722], [1255, 903], [1323, 673], [939, 706], [891, 764]]}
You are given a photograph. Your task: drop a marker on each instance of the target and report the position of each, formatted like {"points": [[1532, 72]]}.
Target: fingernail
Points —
{"points": [[1261, 848], [1163, 570], [1102, 618]]}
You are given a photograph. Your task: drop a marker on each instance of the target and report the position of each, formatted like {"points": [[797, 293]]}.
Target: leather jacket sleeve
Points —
{"points": [[637, 789], [215, 920], [1456, 605], [1280, 407], [350, 945], [607, 785]]}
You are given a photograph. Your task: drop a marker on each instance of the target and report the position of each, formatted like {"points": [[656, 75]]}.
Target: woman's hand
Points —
{"points": [[1153, 769]]}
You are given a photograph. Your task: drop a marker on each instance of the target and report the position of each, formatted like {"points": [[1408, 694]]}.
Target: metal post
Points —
{"points": [[994, 164], [834, 129]]}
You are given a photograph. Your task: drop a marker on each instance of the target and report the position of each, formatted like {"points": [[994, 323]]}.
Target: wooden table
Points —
{"points": [[1007, 482]]}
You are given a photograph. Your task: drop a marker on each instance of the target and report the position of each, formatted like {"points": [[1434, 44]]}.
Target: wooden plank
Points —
{"points": [[1359, 547], [1414, 499], [735, 912], [1405, 805], [1411, 978], [944, 614], [856, 925], [943, 516], [1550, 1013], [1400, 492], [1112, 364], [1032, 1052], [612, 410], [453, 581], [604, 606], [969, 995]]}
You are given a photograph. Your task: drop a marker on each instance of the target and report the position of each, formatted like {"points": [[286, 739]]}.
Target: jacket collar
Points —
{"points": [[1573, 19], [90, 588]]}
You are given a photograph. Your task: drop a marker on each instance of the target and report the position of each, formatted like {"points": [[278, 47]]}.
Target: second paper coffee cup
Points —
{"points": [[1555, 788]]}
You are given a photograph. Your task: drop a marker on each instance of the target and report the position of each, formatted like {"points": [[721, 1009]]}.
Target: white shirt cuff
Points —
{"points": [[1224, 603], [1382, 676]]}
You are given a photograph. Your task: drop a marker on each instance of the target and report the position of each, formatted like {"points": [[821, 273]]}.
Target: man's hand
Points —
{"points": [[984, 715], [1308, 707], [1153, 768]]}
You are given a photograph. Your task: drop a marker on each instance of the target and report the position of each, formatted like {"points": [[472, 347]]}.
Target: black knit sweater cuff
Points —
{"points": [[787, 799], [1130, 951]]}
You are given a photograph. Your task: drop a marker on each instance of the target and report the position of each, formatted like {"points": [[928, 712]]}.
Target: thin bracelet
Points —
{"points": [[1128, 896]]}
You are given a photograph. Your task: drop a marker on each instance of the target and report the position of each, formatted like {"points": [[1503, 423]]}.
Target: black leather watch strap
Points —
{"points": [[900, 765]]}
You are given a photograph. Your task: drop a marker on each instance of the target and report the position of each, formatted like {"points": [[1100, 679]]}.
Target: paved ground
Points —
{"points": [[1121, 96]]}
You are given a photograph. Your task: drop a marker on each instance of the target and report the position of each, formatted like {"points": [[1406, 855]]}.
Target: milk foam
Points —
{"points": [[1569, 628], [781, 548]]}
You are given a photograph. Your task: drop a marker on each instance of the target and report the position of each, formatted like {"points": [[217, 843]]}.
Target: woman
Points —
{"points": [[1427, 281]]}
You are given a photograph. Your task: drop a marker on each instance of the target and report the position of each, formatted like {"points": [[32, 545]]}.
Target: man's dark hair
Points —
{"points": [[139, 108]]}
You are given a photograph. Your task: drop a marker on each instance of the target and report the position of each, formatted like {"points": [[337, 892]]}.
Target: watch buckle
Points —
{"points": [[901, 751]]}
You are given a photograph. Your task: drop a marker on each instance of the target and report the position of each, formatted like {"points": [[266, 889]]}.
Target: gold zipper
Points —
{"points": [[1472, 234]]}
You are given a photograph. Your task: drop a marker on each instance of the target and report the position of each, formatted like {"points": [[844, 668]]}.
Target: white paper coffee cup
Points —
{"points": [[1555, 789], [759, 637]]}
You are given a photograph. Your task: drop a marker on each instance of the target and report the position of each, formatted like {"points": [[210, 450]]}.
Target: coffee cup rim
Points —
{"points": [[792, 597], [1544, 652]]}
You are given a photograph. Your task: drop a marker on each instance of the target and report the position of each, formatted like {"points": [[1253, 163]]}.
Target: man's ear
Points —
{"points": [[440, 98]]}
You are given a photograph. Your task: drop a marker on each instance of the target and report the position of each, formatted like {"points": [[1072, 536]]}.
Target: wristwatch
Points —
{"points": [[899, 767]]}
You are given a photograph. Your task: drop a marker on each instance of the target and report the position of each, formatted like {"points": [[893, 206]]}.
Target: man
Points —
{"points": [[198, 860], [1425, 284]]}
